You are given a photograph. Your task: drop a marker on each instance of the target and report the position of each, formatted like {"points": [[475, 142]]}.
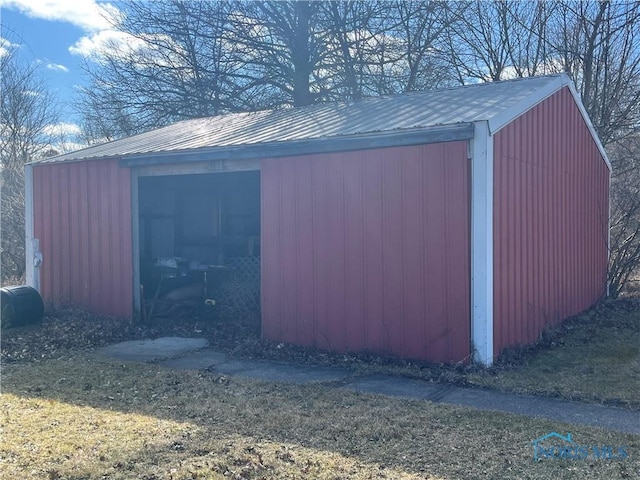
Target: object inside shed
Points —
{"points": [[200, 244]]}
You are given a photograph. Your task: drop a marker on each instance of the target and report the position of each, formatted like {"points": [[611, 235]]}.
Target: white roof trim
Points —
{"points": [[509, 115], [587, 120]]}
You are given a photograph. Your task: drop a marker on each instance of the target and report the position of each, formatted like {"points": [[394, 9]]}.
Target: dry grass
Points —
{"points": [[68, 415], [593, 358], [79, 417]]}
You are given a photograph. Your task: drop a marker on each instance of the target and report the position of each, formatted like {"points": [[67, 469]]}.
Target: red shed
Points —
{"points": [[441, 226]]}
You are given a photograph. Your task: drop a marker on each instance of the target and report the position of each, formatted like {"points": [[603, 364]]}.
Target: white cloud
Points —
{"points": [[62, 129], [548, 67], [6, 46], [143, 50], [65, 147], [106, 40], [97, 19], [89, 15], [57, 67]]}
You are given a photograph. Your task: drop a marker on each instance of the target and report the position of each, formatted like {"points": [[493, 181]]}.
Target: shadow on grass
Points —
{"points": [[224, 427], [253, 429]]}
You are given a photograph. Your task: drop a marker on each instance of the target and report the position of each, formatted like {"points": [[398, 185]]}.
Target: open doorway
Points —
{"points": [[199, 244]]}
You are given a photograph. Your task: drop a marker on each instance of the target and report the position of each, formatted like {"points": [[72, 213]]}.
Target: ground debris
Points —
{"points": [[71, 330]]}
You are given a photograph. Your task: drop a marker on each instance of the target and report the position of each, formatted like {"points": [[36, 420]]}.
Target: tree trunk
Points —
{"points": [[301, 55]]}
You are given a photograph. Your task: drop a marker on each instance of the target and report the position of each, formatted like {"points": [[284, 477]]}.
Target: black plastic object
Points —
{"points": [[21, 305]]}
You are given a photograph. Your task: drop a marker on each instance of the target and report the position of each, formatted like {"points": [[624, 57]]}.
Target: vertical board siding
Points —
{"points": [[82, 216], [369, 251], [550, 221]]}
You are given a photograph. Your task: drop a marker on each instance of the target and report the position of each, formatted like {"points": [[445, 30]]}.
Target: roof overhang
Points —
{"points": [[439, 134]]}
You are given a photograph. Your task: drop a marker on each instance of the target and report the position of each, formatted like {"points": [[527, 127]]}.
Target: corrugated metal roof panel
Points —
{"points": [[380, 114]]}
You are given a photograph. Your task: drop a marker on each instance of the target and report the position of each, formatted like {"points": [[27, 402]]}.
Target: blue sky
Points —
{"points": [[60, 35], [48, 42]]}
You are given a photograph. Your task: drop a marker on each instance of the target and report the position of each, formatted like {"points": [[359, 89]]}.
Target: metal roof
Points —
{"points": [[379, 115]]}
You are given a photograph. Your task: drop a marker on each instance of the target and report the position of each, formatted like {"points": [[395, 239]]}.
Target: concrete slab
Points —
{"points": [[200, 360], [609, 418], [396, 386], [151, 350], [190, 353], [282, 372], [219, 362]]}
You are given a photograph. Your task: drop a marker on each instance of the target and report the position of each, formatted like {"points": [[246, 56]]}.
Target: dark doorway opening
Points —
{"points": [[199, 243]]}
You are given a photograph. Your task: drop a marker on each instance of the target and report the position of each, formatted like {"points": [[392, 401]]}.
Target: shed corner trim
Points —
{"points": [[482, 244], [31, 244]]}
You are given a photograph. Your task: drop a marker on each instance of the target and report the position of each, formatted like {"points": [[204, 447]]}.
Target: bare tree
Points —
{"points": [[284, 44], [527, 43], [190, 59], [499, 39], [27, 112], [173, 62], [421, 26], [597, 44], [476, 44], [388, 47], [624, 240], [187, 59], [352, 28]]}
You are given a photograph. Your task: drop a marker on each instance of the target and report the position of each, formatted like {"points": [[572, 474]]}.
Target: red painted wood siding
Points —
{"points": [[82, 216], [369, 251], [550, 221]]}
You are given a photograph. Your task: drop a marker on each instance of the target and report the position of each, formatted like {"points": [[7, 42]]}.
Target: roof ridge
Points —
{"points": [[373, 98], [469, 85], [397, 95]]}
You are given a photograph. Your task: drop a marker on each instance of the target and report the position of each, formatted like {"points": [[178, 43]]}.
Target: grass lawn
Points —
{"points": [[594, 357], [80, 417], [66, 414]]}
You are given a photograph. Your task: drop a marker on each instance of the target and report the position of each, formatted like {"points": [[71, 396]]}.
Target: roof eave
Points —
{"points": [[438, 134]]}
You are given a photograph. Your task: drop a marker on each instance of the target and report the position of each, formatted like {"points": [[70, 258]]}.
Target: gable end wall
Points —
{"points": [[551, 210]]}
